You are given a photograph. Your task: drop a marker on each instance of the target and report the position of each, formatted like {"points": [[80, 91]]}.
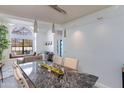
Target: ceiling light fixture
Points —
{"points": [[57, 8], [53, 28], [35, 26], [65, 32]]}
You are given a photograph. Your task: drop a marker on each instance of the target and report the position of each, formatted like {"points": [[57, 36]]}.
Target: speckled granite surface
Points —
{"points": [[42, 78]]}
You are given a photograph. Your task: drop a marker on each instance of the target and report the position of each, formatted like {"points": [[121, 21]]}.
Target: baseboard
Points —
{"points": [[100, 85]]}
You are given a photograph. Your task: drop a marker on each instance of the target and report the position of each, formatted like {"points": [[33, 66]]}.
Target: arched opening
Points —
{"points": [[21, 40]]}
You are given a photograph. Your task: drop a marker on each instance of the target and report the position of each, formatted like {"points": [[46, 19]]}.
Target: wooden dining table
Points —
{"points": [[39, 77]]}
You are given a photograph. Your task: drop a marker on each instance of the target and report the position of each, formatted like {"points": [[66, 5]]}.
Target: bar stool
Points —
{"points": [[71, 63], [1, 65]]}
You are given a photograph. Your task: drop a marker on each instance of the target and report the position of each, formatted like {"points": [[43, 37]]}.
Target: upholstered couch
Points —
{"points": [[31, 58], [13, 55]]}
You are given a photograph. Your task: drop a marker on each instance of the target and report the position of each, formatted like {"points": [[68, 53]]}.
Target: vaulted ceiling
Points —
{"points": [[46, 13]]}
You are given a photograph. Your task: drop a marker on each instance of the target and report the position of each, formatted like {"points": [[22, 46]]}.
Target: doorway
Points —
{"points": [[60, 47]]}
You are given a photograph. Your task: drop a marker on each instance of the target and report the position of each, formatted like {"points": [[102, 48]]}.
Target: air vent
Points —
{"points": [[57, 8]]}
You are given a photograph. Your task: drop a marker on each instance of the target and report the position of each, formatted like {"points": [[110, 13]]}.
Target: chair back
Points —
{"points": [[71, 63], [57, 60]]}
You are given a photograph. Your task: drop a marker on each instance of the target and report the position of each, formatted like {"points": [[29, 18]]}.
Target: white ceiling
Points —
{"points": [[46, 13]]}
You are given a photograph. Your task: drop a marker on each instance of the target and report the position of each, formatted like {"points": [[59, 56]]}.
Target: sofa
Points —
{"points": [[31, 58], [13, 55]]}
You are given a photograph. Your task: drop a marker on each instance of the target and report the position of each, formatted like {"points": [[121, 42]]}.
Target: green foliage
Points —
{"points": [[4, 43]]}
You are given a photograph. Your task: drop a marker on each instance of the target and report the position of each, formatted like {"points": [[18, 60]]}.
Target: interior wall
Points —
{"points": [[41, 40], [98, 45], [53, 37], [50, 38]]}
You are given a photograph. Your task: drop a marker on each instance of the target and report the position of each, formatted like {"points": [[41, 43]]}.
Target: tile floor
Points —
{"points": [[8, 77]]}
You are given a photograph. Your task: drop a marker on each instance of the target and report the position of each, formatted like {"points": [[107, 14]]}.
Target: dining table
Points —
{"points": [[40, 77]]}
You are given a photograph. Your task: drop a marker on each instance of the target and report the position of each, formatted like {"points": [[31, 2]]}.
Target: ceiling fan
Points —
{"points": [[57, 8]]}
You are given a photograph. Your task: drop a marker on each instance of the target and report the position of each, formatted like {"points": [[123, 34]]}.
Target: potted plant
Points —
{"points": [[4, 43]]}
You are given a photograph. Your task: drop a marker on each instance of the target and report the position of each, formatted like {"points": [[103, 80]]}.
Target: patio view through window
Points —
{"points": [[21, 46], [21, 40]]}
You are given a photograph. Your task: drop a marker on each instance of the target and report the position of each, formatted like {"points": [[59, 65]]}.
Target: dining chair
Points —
{"points": [[1, 72], [71, 63], [57, 60], [19, 76]]}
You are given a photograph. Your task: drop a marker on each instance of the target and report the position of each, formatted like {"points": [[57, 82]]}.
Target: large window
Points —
{"points": [[21, 39], [21, 46]]}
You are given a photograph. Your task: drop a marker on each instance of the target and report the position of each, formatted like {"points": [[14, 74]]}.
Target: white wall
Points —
{"points": [[53, 37], [41, 40], [50, 37], [98, 44]]}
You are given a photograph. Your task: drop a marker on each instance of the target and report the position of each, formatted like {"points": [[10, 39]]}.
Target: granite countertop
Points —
{"points": [[42, 78]]}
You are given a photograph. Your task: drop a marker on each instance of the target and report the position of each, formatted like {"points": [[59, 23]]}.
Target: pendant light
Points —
{"points": [[65, 33], [53, 28], [35, 26]]}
